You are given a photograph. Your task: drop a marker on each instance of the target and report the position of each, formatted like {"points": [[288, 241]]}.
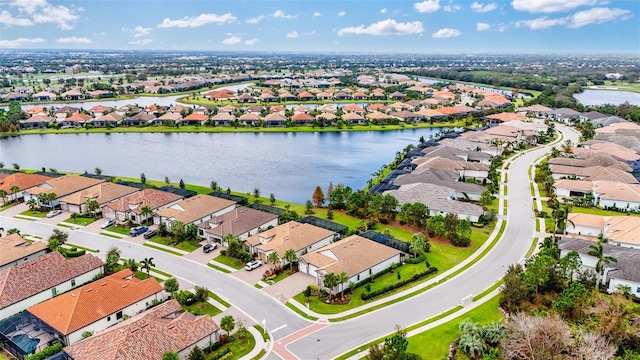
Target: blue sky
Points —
{"points": [[367, 26]]}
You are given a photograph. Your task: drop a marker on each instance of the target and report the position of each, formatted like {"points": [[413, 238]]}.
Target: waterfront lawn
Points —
{"points": [[434, 343], [229, 261], [36, 213]]}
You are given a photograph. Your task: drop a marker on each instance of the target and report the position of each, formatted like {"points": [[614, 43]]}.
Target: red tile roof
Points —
{"points": [[302, 117], [85, 305], [23, 181], [78, 117], [196, 116], [25, 280], [148, 197], [146, 336]]}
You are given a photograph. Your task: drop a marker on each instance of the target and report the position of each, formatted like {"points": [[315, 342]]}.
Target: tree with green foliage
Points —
{"points": [[572, 301], [143, 180], [604, 261], [342, 279], [227, 323], [414, 214], [463, 234], [290, 256], [485, 199], [339, 196], [171, 285], [147, 264], [170, 355], [182, 184], [387, 208], [308, 208], [256, 195], [146, 212], [538, 270], [196, 354], [330, 281], [515, 289], [394, 348], [201, 294], [436, 227], [97, 171], [419, 244], [131, 264], [93, 206], [111, 263], [273, 258], [272, 199]]}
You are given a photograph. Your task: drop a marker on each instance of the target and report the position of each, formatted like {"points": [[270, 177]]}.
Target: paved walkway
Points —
{"points": [[221, 265], [260, 344]]}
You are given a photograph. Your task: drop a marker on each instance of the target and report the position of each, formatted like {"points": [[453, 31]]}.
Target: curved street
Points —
{"points": [[337, 338]]}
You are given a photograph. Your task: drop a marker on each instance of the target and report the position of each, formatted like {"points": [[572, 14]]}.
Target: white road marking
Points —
{"points": [[279, 328]]}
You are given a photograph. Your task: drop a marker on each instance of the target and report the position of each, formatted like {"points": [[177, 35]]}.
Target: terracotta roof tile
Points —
{"points": [[152, 198], [23, 181], [292, 235], [194, 208]]}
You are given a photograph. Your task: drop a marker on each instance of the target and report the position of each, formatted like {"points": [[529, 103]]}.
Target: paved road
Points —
{"points": [[336, 339]]}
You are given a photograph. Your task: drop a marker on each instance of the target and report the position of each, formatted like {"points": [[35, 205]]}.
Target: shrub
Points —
{"points": [[46, 352], [86, 334], [399, 284], [223, 252], [416, 260], [460, 241], [73, 252], [222, 354]]}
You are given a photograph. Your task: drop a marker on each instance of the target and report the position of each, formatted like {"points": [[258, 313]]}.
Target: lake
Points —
{"points": [[289, 165], [602, 97]]}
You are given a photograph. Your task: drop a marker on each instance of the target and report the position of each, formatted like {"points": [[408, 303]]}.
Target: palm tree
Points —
{"points": [[146, 211], [597, 251], [330, 281], [342, 279], [273, 258], [92, 206], [290, 256], [14, 190], [147, 264], [32, 204], [417, 245], [3, 196]]}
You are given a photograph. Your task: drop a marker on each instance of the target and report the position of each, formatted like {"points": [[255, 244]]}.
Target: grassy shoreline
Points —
{"points": [[227, 129]]}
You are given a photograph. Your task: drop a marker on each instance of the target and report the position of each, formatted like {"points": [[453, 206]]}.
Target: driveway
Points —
{"points": [[251, 277], [202, 257], [287, 288]]}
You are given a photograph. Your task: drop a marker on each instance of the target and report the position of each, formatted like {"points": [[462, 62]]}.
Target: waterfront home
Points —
{"points": [[168, 119], [44, 96], [249, 119], [536, 110], [36, 122], [241, 222], [139, 119], [129, 208], [22, 181], [111, 119], [222, 118], [347, 256], [195, 119], [505, 117], [275, 119], [465, 169], [267, 97], [97, 305], [75, 120], [24, 285], [246, 98], [302, 118], [61, 187], [377, 107], [305, 96], [623, 272], [353, 118], [301, 238], [99, 110], [147, 336], [193, 210], [14, 250], [103, 193], [407, 116], [72, 94], [353, 108], [440, 200], [15, 96]]}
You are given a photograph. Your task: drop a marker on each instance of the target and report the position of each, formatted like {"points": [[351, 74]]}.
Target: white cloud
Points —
{"points": [[451, 8], [231, 40], [254, 20], [20, 42], [478, 7], [541, 23], [383, 11], [202, 19], [41, 11], [446, 33], [482, 26], [427, 6], [141, 42], [251, 42], [596, 16], [317, 14], [74, 40], [342, 13], [7, 19], [549, 6], [384, 27], [280, 14], [138, 31], [293, 35]]}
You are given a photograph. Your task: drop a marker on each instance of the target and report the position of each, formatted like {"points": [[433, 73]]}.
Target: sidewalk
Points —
{"points": [[221, 265], [260, 344]]}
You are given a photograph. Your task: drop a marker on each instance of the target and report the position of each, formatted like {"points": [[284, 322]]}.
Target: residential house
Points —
{"points": [[103, 193], [347, 256], [249, 119], [457, 154], [267, 97], [193, 210], [44, 96], [275, 119], [65, 112], [129, 208], [222, 118], [618, 230], [168, 119], [75, 120], [353, 108], [606, 194], [139, 119], [302, 238], [592, 173], [72, 95], [241, 222], [99, 110], [222, 94], [24, 285], [465, 169], [302, 118], [564, 114], [148, 336], [110, 120], [246, 98], [353, 118], [359, 95], [14, 250], [97, 305], [36, 122], [61, 186], [22, 181], [407, 116], [195, 119], [396, 95], [341, 95], [305, 96], [625, 271], [505, 117], [536, 110], [16, 96], [439, 199], [287, 96], [37, 110]]}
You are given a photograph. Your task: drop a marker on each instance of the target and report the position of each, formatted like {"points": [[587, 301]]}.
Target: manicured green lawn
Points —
{"points": [[202, 308], [239, 347], [81, 220], [283, 275], [218, 299], [7, 206], [596, 211], [219, 268], [120, 229], [186, 246], [161, 240], [38, 214], [167, 241], [434, 343], [229, 261]]}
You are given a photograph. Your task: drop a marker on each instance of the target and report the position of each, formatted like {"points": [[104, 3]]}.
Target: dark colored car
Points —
{"points": [[138, 230], [149, 234]]}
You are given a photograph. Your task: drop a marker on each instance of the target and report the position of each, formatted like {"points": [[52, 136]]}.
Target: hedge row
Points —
{"points": [[416, 260], [46, 352], [399, 284], [74, 252], [222, 354]]}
